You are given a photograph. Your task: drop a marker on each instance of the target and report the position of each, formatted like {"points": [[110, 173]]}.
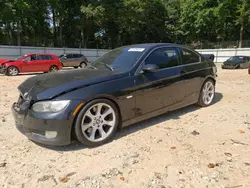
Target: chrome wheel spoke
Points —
{"points": [[109, 123], [93, 133], [102, 132], [98, 109], [89, 114], [86, 126], [106, 113]]}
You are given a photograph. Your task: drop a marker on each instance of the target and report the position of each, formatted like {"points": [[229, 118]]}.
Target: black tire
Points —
{"points": [[76, 67], [83, 65], [53, 68], [201, 101], [78, 127], [12, 71]]}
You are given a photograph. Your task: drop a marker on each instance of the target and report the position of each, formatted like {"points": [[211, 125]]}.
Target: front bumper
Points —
{"points": [[38, 127], [2, 70]]}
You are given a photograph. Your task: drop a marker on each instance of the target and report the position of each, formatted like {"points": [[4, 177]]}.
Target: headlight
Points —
{"points": [[50, 106]]}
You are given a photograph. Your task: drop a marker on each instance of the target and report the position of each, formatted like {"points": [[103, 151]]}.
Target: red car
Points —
{"points": [[31, 63]]}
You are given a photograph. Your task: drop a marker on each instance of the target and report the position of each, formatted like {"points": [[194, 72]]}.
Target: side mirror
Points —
{"points": [[24, 61], [150, 68]]}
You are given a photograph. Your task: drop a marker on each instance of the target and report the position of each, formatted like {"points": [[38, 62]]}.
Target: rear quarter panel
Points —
{"points": [[56, 61]]}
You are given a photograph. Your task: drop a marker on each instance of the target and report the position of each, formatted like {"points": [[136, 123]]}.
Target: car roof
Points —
{"points": [[37, 54], [154, 45], [240, 56], [72, 53]]}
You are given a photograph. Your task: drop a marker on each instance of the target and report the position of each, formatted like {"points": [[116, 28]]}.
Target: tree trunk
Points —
{"points": [[8, 28], [82, 37], [18, 33], [241, 33], [54, 28], [60, 32]]}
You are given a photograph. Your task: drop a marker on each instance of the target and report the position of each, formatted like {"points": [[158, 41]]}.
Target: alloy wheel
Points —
{"points": [[208, 92], [98, 122], [12, 71]]}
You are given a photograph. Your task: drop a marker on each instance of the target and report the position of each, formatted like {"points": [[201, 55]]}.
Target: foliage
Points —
{"points": [[112, 23]]}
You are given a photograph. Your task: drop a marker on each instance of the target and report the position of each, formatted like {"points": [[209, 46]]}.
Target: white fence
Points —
{"points": [[92, 54], [9, 52], [223, 54]]}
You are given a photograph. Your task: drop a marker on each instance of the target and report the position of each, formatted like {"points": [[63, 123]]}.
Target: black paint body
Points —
{"points": [[137, 95]]}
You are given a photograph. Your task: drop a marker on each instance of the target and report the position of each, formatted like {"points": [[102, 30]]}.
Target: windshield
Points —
{"points": [[60, 56], [121, 59], [235, 59], [19, 57]]}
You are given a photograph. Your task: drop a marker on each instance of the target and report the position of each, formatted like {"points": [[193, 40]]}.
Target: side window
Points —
{"points": [[33, 58], [189, 57], [39, 57], [164, 57], [77, 55], [27, 59], [69, 56], [50, 57], [44, 57]]}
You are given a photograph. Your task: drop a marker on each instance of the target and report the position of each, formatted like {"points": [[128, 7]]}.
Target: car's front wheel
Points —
{"points": [[96, 123], [12, 71], [207, 93]]}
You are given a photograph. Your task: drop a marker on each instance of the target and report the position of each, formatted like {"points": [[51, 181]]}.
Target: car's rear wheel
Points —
{"points": [[53, 68], [207, 93], [12, 71], [83, 65], [96, 123]]}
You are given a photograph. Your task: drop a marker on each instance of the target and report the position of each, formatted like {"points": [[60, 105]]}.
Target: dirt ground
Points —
{"points": [[192, 147]]}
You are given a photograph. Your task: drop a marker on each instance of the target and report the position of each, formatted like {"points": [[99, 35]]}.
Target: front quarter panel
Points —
{"points": [[121, 91], [15, 63]]}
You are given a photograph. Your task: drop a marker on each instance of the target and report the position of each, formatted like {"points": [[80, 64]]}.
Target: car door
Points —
{"points": [[156, 90], [76, 60], [44, 63], [29, 63], [67, 60], [194, 68]]}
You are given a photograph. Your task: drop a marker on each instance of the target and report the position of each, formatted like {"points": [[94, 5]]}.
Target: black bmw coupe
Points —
{"points": [[236, 62], [124, 86]]}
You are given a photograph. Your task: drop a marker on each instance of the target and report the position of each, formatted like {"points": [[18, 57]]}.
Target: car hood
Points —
{"points": [[49, 85], [3, 61]]}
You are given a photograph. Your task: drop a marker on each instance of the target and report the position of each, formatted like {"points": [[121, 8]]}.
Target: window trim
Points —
{"points": [[191, 51], [139, 69], [175, 48]]}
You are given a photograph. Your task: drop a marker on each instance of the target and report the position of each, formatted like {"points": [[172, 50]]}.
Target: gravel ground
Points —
{"points": [[192, 147]]}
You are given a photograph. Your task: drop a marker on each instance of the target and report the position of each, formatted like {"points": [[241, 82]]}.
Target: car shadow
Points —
{"points": [[177, 114], [174, 115]]}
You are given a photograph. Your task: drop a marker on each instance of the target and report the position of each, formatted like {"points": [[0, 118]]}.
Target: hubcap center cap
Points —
{"points": [[98, 121]]}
